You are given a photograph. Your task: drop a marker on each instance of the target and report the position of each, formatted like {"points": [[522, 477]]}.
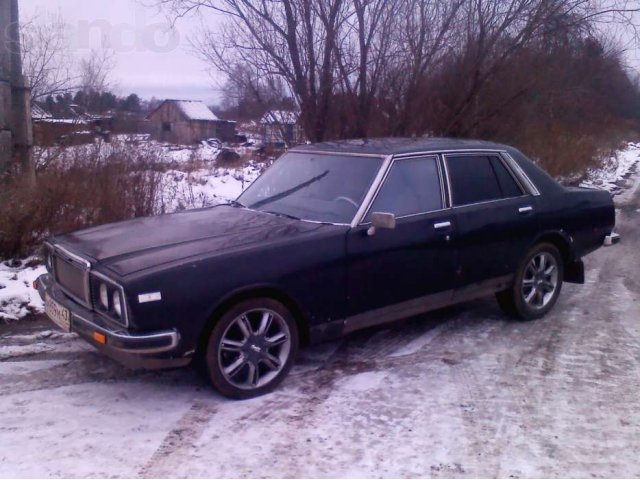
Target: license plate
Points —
{"points": [[57, 313]]}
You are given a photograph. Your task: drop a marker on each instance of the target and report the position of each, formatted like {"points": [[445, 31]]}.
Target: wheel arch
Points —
{"points": [[573, 267], [249, 292]]}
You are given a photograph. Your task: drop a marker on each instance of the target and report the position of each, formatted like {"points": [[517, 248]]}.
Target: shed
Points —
{"points": [[188, 121], [280, 127], [50, 130]]}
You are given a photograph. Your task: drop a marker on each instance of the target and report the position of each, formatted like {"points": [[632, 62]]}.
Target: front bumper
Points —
{"points": [[149, 350]]}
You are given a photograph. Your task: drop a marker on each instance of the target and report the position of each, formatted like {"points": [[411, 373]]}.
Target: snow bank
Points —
{"points": [[134, 145], [17, 296], [614, 169], [204, 187]]}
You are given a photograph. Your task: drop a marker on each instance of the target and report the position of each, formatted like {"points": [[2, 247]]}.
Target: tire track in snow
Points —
{"points": [[179, 442]]}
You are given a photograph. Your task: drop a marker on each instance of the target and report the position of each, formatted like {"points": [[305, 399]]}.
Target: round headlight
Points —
{"points": [[104, 296], [117, 303]]}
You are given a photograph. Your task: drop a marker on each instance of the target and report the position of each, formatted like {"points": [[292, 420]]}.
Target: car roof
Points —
{"points": [[398, 145]]}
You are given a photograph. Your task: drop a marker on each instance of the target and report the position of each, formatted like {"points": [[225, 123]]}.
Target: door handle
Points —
{"points": [[526, 209], [441, 225]]}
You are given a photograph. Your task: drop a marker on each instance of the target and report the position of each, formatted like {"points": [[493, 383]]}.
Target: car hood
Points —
{"points": [[134, 245]]}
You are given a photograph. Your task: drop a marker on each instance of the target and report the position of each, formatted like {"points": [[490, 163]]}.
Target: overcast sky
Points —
{"points": [[151, 59]]}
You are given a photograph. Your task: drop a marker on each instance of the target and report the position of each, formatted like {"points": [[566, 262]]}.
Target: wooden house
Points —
{"points": [[188, 121]]}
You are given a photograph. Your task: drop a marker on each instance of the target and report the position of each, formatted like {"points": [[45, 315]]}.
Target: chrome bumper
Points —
{"points": [[611, 239], [146, 350]]}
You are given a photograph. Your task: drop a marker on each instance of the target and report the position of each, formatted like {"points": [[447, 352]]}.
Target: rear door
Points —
{"points": [[495, 218], [413, 260]]}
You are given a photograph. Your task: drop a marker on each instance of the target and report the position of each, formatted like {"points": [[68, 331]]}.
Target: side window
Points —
{"points": [[472, 179], [508, 185], [412, 186]]}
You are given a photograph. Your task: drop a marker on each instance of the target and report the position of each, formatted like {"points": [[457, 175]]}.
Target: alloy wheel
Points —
{"points": [[254, 348], [540, 280]]}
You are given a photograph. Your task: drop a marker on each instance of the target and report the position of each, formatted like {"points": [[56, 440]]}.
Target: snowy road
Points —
{"points": [[459, 393]]}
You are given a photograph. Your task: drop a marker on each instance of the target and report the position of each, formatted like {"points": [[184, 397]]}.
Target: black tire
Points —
{"points": [[513, 301], [241, 363]]}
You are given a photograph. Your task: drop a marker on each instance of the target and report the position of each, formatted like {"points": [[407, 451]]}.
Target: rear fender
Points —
{"points": [[573, 266]]}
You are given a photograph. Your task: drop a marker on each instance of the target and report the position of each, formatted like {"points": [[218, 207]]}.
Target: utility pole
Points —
{"points": [[16, 132]]}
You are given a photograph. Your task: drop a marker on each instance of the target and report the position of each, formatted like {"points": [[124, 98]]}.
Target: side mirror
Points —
{"points": [[381, 220]]}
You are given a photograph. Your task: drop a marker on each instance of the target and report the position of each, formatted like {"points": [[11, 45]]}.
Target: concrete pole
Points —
{"points": [[16, 133]]}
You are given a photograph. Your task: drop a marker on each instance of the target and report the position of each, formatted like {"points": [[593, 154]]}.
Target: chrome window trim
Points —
{"points": [[373, 191], [443, 195], [489, 201], [392, 159], [443, 152], [510, 171], [520, 173], [377, 156], [446, 172], [105, 278], [414, 215], [471, 153]]}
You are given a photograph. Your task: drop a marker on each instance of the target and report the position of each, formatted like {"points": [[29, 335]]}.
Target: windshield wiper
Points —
{"points": [[280, 214], [235, 203], [286, 193]]}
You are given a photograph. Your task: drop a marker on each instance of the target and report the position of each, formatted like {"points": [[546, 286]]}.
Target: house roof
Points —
{"points": [[191, 109], [195, 110], [39, 113], [282, 117]]}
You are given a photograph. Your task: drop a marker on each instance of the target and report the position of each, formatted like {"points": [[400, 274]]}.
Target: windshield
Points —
{"points": [[321, 188]]}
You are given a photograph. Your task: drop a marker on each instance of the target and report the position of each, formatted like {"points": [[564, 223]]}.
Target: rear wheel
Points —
{"points": [[537, 284], [251, 349]]}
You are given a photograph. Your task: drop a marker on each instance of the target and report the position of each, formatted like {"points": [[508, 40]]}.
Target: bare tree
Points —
{"points": [[47, 63], [384, 52], [291, 39], [96, 69]]}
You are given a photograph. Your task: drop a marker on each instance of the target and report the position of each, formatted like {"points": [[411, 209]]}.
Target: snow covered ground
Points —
{"points": [[614, 169], [457, 393], [17, 296], [205, 187]]}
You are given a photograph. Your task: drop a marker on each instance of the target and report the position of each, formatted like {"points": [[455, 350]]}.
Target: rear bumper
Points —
{"points": [[135, 350], [611, 239]]}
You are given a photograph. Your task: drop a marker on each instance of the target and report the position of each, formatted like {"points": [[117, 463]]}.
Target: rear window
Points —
{"points": [[472, 180], [508, 185]]}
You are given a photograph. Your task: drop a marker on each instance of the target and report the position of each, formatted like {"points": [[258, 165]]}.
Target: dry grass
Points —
{"points": [[86, 190]]}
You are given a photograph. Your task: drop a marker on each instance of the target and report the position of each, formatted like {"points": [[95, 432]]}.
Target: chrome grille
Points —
{"points": [[73, 278]]}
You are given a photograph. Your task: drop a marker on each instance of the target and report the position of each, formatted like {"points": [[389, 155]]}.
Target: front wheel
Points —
{"points": [[537, 284], [251, 348]]}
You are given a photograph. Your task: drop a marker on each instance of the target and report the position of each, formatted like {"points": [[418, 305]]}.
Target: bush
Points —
{"points": [[80, 187]]}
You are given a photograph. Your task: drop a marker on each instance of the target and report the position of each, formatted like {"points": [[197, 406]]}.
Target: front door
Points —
{"points": [[394, 273]]}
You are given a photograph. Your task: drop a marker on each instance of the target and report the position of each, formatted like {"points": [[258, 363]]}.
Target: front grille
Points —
{"points": [[72, 277]]}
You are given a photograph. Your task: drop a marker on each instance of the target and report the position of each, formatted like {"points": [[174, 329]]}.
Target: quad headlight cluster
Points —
{"points": [[108, 299]]}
